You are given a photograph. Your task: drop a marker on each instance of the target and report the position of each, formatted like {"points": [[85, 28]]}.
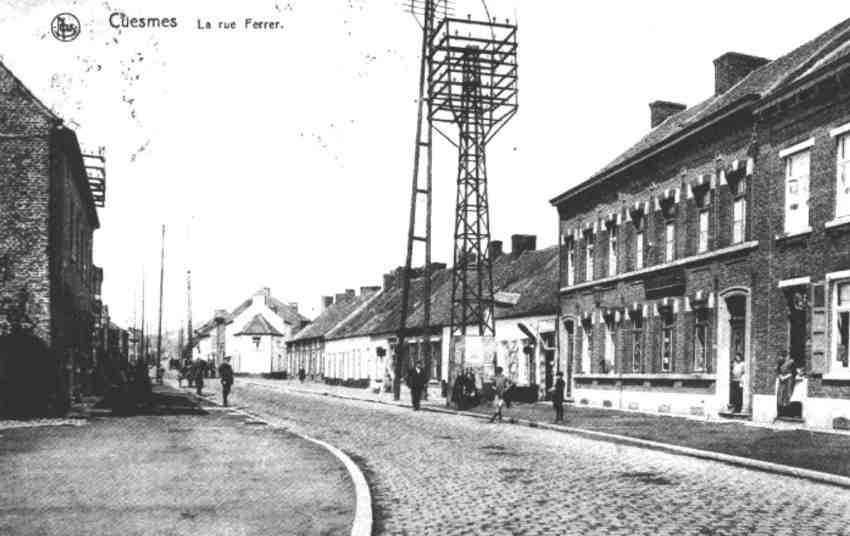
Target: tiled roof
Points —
{"points": [[330, 318], [769, 79], [286, 312], [533, 275], [259, 326]]}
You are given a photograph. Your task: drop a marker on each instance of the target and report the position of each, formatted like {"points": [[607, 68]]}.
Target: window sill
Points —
{"points": [[648, 376], [794, 234], [836, 376], [842, 223]]}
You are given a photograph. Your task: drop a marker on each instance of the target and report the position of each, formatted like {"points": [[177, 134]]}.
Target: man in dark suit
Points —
{"points": [[417, 379]]}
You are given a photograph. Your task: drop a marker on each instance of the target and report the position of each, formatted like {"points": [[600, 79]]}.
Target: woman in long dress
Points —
{"points": [[786, 373]]}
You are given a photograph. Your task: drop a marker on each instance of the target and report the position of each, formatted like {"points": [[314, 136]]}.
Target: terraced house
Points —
{"points": [[724, 231]]}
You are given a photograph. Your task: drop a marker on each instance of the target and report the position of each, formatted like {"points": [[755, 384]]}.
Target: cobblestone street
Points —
{"points": [[442, 474]]}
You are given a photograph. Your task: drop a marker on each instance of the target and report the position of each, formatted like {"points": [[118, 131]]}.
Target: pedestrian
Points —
{"points": [[302, 374], [737, 386], [199, 377], [500, 385], [558, 396], [225, 372], [416, 381], [785, 372]]}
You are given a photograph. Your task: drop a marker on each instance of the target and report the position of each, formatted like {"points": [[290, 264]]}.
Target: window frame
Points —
{"points": [[636, 334], [836, 364], [589, 253], [802, 179], [667, 329], [613, 239], [842, 170], [702, 323], [569, 245]]}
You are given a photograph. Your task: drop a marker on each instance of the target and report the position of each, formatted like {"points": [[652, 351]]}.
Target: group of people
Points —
{"points": [[194, 373], [786, 377]]}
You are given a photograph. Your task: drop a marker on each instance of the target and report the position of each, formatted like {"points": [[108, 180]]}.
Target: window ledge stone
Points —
{"points": [[842, 223], [794, 234]]}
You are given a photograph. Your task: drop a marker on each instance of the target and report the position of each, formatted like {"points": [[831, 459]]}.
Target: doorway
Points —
{"points": [[733, 328], [737, 307]]}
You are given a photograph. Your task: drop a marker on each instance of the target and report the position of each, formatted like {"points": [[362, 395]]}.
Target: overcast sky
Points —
{"points": [[283, 158]]}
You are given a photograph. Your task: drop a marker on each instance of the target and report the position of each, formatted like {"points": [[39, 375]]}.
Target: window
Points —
{"points": [[256, 341], [609, 364], [586, 345], [571, 262], [639, 221], [637, 341], [588, 256], [669, 241], [841, 333], [701, 340], [667, 327], [842, 184], [703, 199], [797, 192], [612, 250], [739, 210]]}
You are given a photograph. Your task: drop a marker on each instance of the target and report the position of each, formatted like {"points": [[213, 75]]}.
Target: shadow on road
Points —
{"points": [[162, 400]]}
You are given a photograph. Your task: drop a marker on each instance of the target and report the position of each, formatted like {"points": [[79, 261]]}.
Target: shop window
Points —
{"points": [[841, 324], [636, 334], [612, 250], [797, 192], [667, 318], [701, 331], [842, 178], [588, 256]]}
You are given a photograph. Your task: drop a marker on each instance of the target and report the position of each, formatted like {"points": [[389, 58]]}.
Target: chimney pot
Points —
{"points": [[660, 110], [327, 301], [522, 243], [495, 249], [732, 67]]}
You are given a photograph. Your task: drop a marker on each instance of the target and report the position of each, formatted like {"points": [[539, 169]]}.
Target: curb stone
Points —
{"points": [[739, 461], [363, 518]]}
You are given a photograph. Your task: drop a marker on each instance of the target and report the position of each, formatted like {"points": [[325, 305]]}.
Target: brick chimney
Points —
{"points": [[220, 315], [366, 292], [341, 298], [293, 306], [521, 243], [350, 294], [660, 110], [389, 280], [495, 249], [327, 301], [732, 67]]}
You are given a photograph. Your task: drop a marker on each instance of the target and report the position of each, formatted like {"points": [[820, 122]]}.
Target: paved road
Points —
{"points": [[178, 471], [442, 474]]}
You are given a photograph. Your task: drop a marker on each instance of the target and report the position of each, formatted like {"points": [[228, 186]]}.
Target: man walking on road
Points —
{"points": [[225, 372], [500, 385], [416, 381], [558, 397]]}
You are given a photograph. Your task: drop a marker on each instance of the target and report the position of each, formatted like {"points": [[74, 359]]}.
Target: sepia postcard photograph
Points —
{"points": [[424, 267]]}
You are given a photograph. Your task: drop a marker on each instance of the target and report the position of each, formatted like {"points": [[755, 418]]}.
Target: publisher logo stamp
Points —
{"points": [[65, 27]]}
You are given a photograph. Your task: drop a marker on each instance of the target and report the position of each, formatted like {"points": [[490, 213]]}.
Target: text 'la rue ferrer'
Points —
{"points": [[246, 24]]}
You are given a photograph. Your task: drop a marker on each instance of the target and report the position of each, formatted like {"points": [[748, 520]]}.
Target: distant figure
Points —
{"points": [[416, 381], [500, 385], [558, 397], [225, 372], [786, 375], [199, 376], [302, 374], [738, 372]]}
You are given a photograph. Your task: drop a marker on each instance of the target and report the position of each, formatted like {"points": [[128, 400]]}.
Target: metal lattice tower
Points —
{"points": [[473, 85]]}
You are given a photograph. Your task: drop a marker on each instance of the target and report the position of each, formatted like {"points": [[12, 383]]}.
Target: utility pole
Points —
{"points": [[142, 350], [161, 276], [189, 334]]}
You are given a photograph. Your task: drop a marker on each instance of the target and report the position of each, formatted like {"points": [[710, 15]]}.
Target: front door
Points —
{"points": [[737, 306]]}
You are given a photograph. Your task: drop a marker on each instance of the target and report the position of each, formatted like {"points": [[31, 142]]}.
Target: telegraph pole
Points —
{"points": [[189, 333], [161, 276]]}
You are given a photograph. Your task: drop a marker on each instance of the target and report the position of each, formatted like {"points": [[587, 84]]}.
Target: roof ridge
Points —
{"points": [[831, 44]]}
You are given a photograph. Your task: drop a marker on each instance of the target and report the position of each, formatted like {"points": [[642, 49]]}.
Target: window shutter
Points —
{"points": [[818, 362]]}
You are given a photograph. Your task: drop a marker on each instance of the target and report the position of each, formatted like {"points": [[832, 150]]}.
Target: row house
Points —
{"points": [[361, 350], [306, 348], [253, 335], [719, 234], [48, 215]]}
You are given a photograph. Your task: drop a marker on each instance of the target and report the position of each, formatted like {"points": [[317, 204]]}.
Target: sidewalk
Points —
{"points": [[821, 456], [179, 468]]}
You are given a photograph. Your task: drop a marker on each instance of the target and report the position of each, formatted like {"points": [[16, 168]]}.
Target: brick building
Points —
{"points": [[721, 232], [47, 220]]}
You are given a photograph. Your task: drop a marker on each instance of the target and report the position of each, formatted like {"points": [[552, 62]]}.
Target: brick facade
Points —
{"points": [[47, 219], [746, 288]]}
